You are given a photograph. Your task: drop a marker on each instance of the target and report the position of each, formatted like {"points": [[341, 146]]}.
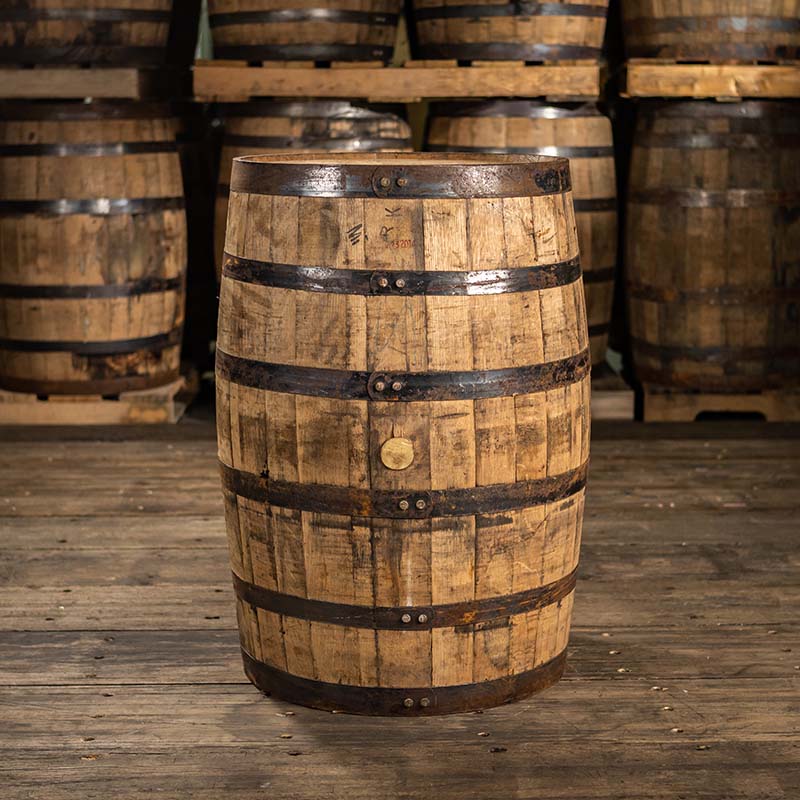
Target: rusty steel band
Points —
{"points": [[716, 295], [302, 15], [461, 179], [113, 347], [530, 109], [716, 23], [312, 109], [101, 206], [415, 618], [507, 51], [400, 283], [354, 143], [306, 52], [79, 54], [27, 14], [86, 292], [705, 51], [398, 386], [778, 110], [518, 9], [416, 701], [706, 198], [728, 141], [600, 329], [599, 275], [107, 149], [542, 150], [730, 355], [97, 384], [423, 504]]}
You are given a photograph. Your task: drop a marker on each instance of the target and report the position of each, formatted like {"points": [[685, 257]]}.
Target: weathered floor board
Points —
{"points": [[120, 675]]}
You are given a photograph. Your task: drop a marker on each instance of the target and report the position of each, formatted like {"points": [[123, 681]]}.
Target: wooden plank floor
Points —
{"points": [[120, 676]]}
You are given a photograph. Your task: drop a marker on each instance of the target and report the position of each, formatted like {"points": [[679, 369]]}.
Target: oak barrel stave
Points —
{"points": [[93, 245], [578, 132], [712, 30], [135, 32], [286, 30], [712, 242], [442, 586], [528, 31], [336, 125]]}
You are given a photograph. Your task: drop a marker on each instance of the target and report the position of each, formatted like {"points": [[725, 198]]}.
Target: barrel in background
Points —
{"points": [[534, 31], [134, 33], [712, 30], [92, 248], [336, 125], [713, 236], [403, 420], [257, 30], [578, 132]]}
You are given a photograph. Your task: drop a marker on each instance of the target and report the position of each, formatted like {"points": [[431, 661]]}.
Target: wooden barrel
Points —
{"points": [[712, 30], [530, 31], [336, 125], [403, 420], [133, 32], [92, 248], [713, 235], [577, 132], [335, 30]]}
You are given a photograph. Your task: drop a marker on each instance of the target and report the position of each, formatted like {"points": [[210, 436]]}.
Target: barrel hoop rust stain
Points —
{"points": [[302, 15], [88, 149], [385, 701], [407, 503], [103, 206], [521, 9], [305, 52], [113, 347], [507, 51], [398, 181], [404, 283], [421, 617], [709, 198], [413, 386], [66, 291]]}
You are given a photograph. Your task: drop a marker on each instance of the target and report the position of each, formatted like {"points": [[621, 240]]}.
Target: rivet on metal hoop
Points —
{"points": [[403, 505], [400, 283], [384, 183], [406, 618], [420, 504], [422, 619], [383, 282], [402, 181], [425, 702], [379, 386], [397, 386], [408, 702]]}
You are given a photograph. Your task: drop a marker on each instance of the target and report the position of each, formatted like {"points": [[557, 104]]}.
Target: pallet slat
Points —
{"points": [[221, 81]]}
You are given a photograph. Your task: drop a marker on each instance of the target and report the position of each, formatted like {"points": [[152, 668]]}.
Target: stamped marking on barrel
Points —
{"points": [[397, 453]]}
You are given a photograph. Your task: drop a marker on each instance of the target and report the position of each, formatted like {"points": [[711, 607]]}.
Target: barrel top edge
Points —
{"points": [[401, 175]]}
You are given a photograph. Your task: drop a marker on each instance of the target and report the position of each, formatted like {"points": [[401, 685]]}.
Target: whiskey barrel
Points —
{"points": [[712, 30], [93, 244], [530, 31], [713, 231], [340, 125], [577, 132], [133, 32], [278, 30], [403, 420]]}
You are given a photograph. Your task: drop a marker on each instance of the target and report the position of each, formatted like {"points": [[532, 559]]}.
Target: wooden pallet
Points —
{"points": [[165, 404], [655, 78], [612, 398], [671, 406], [67, 83], [229, 81]]}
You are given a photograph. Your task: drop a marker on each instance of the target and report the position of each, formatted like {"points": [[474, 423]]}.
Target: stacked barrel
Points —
{"points": [[713, 217], [287, 32], [92, 222], [534, 32]]}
